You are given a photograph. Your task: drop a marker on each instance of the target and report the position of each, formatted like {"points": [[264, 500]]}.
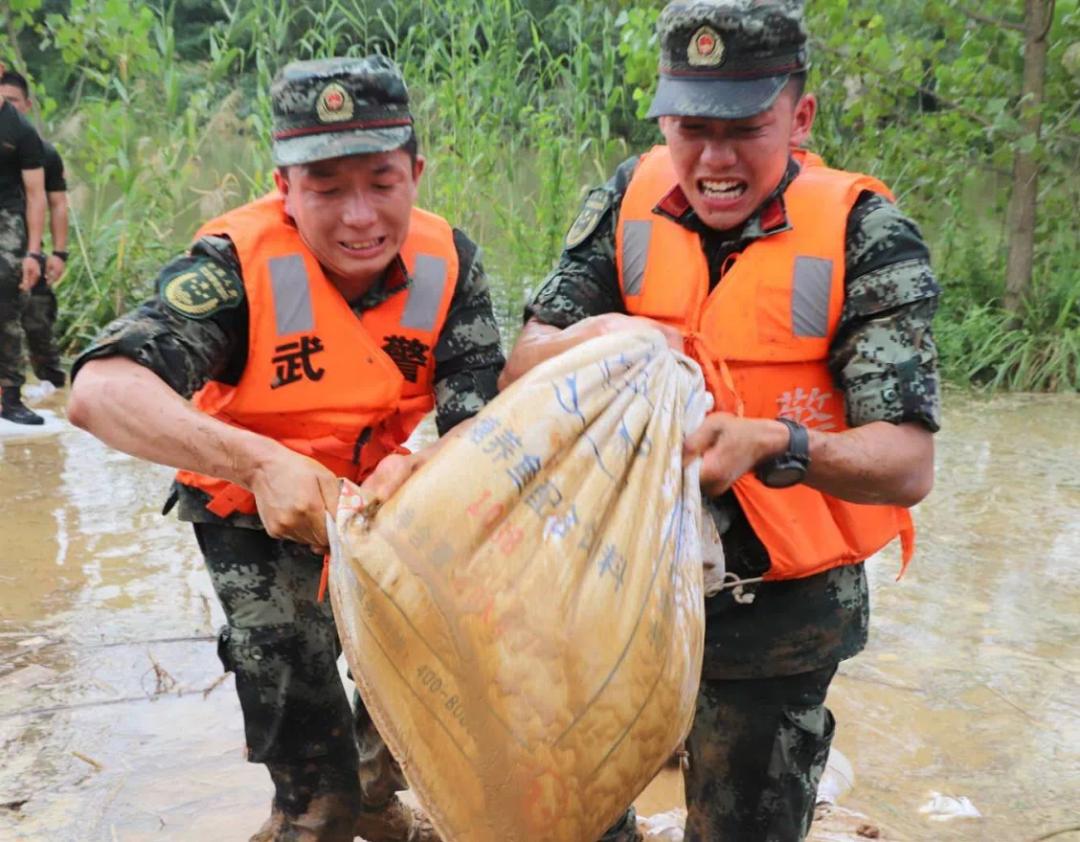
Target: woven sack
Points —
{"points": [[524, 618]]}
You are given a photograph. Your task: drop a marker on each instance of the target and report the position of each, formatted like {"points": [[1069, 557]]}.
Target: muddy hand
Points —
{"points": [[293, 494], [729, 447], [391, 474], [608, 323]]}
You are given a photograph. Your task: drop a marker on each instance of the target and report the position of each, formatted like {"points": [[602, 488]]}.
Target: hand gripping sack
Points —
{"points": [[524, 618]]}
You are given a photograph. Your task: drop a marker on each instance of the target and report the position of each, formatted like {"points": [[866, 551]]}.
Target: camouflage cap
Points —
{"points": [[330, 108], [727, 59]]}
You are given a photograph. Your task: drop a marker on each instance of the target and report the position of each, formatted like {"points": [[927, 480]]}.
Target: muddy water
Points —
{"points": [[971, 684], [113, 725]]}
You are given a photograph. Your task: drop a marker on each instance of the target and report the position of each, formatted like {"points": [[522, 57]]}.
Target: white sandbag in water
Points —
{"points": [[664, 827], [524, 618]]}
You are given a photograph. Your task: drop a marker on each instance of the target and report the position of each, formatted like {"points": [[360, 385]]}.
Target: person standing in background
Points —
{"points": [[22, 220], [39, 315]]}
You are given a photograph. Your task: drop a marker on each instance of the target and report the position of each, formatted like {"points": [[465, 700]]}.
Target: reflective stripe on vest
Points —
{"points": [[292, 295], [635, 254], [768, 324], [810, 291], [425, 293]]}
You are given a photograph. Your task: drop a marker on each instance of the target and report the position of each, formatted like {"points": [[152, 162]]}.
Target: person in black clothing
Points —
{"points": [[40, 313], [22, 219]]}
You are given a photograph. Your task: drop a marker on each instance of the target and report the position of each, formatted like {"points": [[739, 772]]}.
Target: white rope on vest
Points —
{"points": [[736, 585]]}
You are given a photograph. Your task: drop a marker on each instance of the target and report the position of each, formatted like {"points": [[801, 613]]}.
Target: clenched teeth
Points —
{"points": [[368, 244], [722, 188]]}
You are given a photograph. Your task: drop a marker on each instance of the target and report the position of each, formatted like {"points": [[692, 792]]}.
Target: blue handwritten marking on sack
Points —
{"points": [[503, 446], [574, 407], [545, 495], [560, 527], [585, 544], [606, 366], [599, 457], [637, 448], [482, 429], [613, 562], [524, 471]]}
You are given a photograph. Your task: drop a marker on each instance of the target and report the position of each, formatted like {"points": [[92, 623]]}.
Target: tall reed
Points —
{"points": [[521, 106]]}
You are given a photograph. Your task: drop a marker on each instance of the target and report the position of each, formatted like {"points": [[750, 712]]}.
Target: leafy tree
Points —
{"points": [[969, 111]]}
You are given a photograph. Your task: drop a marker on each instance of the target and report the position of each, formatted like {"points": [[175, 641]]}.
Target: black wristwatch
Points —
{"points": [[790, 466]]}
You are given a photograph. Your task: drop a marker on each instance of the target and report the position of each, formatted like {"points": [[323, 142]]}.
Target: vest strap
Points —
{"points": [[231, 499], [717, 375], [907, 543]]}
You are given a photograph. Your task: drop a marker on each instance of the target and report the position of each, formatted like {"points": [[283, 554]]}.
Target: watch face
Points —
{"points": [[784, 476]]}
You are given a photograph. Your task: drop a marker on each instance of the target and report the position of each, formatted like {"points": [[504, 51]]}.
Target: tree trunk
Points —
{"points": [[13, 37], [1038, 15]]}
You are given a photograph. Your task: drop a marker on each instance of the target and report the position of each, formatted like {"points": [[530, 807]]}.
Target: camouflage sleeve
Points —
{"points": [[883, 356], [585, 282], [468, 355], [193, 330]]}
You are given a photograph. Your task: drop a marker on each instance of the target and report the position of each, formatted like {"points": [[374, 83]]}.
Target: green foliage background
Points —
{"points": [[161, 112]]}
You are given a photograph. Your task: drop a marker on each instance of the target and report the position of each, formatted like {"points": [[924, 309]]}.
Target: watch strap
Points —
{"points": [[789, 467], [798, 440]]}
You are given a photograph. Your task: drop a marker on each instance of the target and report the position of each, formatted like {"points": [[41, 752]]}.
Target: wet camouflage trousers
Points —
{"points": [[757, 751], [757, 748], [38, 318], [282, 646], [12, 301]]}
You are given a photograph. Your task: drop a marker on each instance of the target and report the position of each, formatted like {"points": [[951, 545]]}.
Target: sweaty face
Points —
{"points": [[727, 168], [353, 213], [16, 97]]}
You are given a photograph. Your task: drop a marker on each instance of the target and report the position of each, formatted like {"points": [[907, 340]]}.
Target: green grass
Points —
{"points": [[521, 105]]}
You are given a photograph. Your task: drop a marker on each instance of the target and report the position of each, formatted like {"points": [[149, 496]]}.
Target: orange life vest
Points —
{"points": [[762, 337], [320, 379]]}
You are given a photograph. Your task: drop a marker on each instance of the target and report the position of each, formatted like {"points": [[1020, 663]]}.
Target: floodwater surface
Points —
{"points": [[116, 723]]}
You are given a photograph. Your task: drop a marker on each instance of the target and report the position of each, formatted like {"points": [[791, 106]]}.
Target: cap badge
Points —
{"points": [[706, 49], [334, 104]]}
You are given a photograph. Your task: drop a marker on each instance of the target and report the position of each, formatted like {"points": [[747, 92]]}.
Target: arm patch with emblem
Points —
{"points": [[197, 287], [592, 211]]}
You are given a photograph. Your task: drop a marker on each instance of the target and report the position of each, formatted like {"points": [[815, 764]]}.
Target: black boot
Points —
{"points": [[52, 374], [14, 410]]}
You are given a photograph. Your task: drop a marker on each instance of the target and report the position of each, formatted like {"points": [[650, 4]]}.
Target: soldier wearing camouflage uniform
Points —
{"points": [[22, 219], [39, 316], [731, 105], [345, 146]]}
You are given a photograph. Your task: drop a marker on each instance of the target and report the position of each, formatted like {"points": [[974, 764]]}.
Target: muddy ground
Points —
{"points": [[116, 724]]}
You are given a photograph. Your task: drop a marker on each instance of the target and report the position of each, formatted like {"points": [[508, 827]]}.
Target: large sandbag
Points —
{"points": [[524, 618]]}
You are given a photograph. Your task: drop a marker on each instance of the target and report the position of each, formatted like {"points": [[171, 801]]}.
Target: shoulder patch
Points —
{"points": [[592, 211], [199, 290]]}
